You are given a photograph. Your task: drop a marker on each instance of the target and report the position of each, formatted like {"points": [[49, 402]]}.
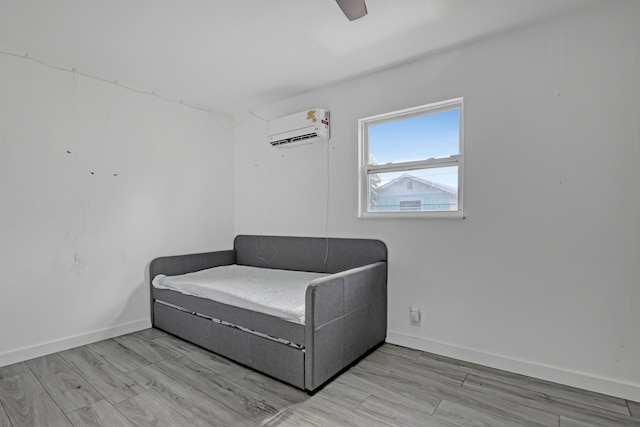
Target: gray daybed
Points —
{"points": [[345, 312]]}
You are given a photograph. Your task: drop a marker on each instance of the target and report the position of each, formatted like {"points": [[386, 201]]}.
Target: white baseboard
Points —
{"points": [[586, 381], [26, 353]]}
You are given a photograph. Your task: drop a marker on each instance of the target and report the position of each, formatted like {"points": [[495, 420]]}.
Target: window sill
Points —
{"points": [[413, 215]]}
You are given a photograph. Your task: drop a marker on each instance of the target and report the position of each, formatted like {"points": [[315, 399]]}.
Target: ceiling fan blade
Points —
{"points": [[353, 9]]}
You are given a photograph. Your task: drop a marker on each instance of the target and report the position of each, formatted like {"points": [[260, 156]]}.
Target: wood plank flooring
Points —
{"points": [[150, 378]]}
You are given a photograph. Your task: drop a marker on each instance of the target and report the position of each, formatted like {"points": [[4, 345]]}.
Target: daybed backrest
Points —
{"points": [[315, 254]]}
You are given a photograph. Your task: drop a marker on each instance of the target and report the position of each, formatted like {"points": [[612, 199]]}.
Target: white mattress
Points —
{"points": [[279, 293]]}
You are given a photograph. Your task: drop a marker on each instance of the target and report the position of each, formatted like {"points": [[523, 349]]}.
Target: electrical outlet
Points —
{"points": [[415, 316]]}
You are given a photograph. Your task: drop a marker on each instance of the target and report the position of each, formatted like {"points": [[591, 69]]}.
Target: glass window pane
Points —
{"points": [[415, 138], [433, 189]]}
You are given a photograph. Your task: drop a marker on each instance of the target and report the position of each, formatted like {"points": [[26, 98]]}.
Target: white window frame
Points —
{"points": [[366, 169]]}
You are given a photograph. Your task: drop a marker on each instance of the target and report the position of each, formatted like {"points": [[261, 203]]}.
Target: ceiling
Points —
{"points": [[231, 55]]}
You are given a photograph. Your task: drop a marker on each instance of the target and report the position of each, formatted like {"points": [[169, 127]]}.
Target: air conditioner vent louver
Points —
{"points": [[295, 138], [303, 137], [301, 128]]}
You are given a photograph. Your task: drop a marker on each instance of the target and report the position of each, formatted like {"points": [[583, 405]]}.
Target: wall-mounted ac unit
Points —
{"points": [[300, 128]]}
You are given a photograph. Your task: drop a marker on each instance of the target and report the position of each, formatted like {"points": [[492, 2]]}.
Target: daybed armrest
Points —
{"points": [[181, 264], [346, 316]]}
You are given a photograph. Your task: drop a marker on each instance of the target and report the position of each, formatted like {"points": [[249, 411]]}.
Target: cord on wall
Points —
{"points": [[249, 113], [104, 80], [326, 218]]}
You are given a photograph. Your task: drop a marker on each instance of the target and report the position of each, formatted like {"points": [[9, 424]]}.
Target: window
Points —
{"points": [[411, 162]]}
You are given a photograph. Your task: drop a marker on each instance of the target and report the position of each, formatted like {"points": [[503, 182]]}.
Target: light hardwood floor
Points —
{"points": [[150, 378]]}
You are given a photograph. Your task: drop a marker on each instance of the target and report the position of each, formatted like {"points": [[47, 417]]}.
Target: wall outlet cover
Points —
{"points": [[415, 316]]}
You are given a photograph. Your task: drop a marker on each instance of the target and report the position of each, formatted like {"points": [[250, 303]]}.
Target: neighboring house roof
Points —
{"points": [[406, 176]]}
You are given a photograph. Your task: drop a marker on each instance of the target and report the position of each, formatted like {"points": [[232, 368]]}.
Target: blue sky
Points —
{"points": [[418, 138], [415, 138]]}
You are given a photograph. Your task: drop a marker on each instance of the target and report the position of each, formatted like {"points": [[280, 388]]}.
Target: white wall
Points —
{"points": [[542, 276], [74, 247]]}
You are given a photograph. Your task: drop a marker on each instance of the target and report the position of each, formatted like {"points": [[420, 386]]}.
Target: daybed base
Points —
{"points": [[345, 312]]}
